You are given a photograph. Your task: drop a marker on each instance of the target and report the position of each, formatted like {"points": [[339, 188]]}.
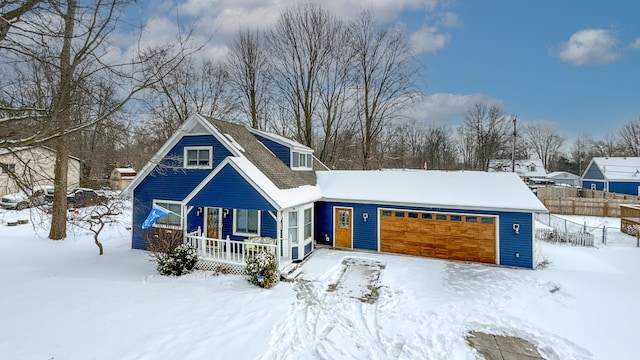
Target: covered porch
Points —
{"points": [[236, 210], [230, 256]]}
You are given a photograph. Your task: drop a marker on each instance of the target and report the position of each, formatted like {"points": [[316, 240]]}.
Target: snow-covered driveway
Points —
{"points": [[61, 300], [431, 323]]}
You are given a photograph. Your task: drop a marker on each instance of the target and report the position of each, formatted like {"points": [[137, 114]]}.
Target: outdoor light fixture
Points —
{"points": [[199, 211], [365, 216], [225, 212], [516, 228]]}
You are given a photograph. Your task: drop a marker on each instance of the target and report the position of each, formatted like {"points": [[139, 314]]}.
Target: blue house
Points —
{"points": [[231, 190], [613, 174]]}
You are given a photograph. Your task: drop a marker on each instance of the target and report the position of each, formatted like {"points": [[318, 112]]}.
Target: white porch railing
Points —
{"points": [[227, 252]]}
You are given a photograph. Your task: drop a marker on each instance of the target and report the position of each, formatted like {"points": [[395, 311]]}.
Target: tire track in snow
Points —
{"points": [[335, 324]]}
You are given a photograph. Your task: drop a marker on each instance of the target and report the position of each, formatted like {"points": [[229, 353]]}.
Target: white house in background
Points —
{"points": [[526, 169], [121, 177], [35, 166], [563, 177]]}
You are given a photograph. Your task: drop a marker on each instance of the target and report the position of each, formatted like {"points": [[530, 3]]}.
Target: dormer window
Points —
{"points": [[301, 161], [532, 168], [198, 157]]}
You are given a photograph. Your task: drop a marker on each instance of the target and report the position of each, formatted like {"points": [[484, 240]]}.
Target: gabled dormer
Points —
{"points": [[295, 155]]}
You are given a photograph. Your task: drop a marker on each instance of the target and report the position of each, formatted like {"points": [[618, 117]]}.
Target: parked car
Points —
{"points": [[82, 197], [22, 200]]}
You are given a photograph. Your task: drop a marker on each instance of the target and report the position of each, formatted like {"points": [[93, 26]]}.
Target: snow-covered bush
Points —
{"points": [[177, 261], [261, 269]]}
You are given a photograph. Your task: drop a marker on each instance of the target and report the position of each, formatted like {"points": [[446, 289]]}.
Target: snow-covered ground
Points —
{"points": [[61, 300]]}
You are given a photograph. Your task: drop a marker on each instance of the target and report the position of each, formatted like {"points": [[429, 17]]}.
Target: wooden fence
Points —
{"points": [[574, 201]]}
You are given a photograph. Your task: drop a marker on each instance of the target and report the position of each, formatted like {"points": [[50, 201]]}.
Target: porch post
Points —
{"points": [[278, 236]]}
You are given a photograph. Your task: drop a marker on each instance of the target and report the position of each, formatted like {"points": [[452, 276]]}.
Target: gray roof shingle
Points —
{"points": [[266, 161]]}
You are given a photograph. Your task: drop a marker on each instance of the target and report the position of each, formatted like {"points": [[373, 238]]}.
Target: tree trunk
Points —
{"points": [[62, 119]]}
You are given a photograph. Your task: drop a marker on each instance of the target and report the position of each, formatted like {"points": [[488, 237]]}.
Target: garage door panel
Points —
{"points": [[415, 234]]}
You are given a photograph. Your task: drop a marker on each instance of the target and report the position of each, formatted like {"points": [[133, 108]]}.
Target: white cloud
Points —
{"points": [[428, 40], [589, 46], [219, 20], [449, 19], [444, 108], [636, 44]]}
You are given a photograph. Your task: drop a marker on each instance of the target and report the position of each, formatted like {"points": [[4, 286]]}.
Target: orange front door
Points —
{"points": [[343, 225], [213, 223]]}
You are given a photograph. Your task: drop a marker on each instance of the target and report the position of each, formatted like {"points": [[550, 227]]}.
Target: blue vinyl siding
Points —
{"points": [[593, 173], [308, 248], [294, 253], [512, 243], [171, 183], [228, 189], [365, 234], [629, 188], [587, 185], [281, 151]]}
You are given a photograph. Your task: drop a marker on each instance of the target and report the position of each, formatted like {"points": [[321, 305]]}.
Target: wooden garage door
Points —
{"points": [[447, 236]]}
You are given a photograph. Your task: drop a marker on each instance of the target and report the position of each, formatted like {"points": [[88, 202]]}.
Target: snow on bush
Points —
{"points": [[261, 269], [178, 261]]}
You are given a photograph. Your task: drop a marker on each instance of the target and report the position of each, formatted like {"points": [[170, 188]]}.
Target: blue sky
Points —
{"points": [[573, 63], [512, 51]]}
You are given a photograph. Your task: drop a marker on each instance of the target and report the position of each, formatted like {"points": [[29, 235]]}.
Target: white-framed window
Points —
{"points": [[172, 220], [198, 157], [301, 161], [246, 222], [308, 228], [292, 228], [7, 168]]}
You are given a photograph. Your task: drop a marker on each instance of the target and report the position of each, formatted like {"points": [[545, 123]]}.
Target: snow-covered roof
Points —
{"points": [[283, 198], [282, 140], [619, 168], [4, 151], [522, 167], [279, 198], [12, 150], [451, 189], [125, 170], [562, 175]]}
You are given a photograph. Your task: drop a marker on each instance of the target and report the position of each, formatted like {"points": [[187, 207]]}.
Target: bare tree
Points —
{"points": [[12, 10], [544, 139], [439, 148], [94, 219], [630, 136], [64, 49], [248, 75], [583, 150], [610, 145], [385, 78], [335, 104], [190, 88], [486, 134], [299, 46]]}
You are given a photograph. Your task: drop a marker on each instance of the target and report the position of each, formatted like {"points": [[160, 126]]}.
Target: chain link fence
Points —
{"points": [[563, 230]]}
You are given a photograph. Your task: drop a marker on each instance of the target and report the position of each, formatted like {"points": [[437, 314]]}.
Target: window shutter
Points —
{"points": [[309, 163]]}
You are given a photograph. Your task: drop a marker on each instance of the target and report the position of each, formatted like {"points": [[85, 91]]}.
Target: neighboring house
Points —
{"points": [[563, 177], [613, 174], [34, 165], [526, 169], [120, 178], [230, 188]]}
